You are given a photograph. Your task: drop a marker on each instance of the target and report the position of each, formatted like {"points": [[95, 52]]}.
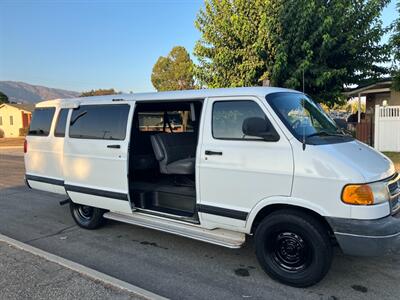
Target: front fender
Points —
{"points": [[297, 202]]}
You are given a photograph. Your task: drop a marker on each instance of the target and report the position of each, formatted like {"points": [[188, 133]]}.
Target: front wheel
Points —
{"points": [[293, 248], [87, 217]]}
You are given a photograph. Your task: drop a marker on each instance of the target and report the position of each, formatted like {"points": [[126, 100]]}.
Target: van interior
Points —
{"points": [[162, 158]]}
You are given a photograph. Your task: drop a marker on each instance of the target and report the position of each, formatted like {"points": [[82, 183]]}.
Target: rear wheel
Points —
{"points": [[293, 248], [87, 216]]}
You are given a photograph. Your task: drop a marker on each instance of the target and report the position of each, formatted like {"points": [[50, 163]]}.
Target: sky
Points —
{"points": [[84, 45]]}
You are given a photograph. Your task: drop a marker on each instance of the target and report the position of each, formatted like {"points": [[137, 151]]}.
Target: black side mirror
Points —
{"points": [[259, 127], [341, 123]]}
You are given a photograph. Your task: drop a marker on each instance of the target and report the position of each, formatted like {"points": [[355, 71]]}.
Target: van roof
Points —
{"points": [[173, 95]]}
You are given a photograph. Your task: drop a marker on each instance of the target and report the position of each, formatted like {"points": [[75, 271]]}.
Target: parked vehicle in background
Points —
{"points": [[217, 165]]}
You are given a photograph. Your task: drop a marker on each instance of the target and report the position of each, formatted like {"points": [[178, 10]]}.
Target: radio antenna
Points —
{"points": [[304, 128]]}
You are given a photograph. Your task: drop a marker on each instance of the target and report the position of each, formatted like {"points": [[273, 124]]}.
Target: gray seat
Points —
{"points": [[175, 152]]}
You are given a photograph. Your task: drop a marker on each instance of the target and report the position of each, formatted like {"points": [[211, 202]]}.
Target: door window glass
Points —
{"points": [[104, 122], [61, 123], [228, 118]]}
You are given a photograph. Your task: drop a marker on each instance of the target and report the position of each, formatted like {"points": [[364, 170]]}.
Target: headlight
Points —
{"points": [[365, 194], [380, 191]]}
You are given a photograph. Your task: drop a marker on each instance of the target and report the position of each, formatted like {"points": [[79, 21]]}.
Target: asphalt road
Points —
{"points": [[168, 265]]}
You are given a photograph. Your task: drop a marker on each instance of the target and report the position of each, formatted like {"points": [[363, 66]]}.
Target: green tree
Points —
{"points": [[333, 43], [3, 98], [174, 72], [98, 92], [233, 50], [395, 44]]}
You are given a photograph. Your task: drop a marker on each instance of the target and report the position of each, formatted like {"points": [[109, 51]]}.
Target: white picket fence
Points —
{"points": [[387, 128]]}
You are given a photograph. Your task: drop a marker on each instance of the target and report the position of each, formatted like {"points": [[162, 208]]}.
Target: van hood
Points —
{"points": [[371, 164]]}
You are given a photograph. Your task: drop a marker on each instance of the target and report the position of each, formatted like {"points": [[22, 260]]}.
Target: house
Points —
{"points": [[380, 125], [15, 119], [379, 92]]}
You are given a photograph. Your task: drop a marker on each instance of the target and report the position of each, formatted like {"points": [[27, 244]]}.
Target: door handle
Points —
{"points": [[209, 152], [114, 146]]}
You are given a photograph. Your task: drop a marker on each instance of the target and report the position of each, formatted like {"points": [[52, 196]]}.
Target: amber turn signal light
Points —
{"points": [[358, 194]]}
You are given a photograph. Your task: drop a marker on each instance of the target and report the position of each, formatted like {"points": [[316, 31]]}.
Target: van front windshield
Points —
{"points": [[306, 119]]}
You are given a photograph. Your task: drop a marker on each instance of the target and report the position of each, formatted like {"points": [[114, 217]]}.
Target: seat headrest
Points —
{"points": [[157, 147]]}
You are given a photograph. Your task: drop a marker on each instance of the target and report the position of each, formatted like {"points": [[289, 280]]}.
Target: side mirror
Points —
{"points": [[259, 127], [341, 123]]}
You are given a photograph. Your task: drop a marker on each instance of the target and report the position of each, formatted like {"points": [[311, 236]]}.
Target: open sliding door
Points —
{"points": [[96, 155]]}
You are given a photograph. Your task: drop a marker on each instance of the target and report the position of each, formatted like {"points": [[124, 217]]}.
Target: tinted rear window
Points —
{"points": [[41, 121], [105, 122], [61, 123]]}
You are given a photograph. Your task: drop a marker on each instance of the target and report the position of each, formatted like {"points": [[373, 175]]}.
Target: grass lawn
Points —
{"points": [[395, 157]]}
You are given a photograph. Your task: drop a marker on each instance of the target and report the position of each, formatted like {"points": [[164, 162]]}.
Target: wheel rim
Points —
{"points": [[85, 212], [290, 251]]}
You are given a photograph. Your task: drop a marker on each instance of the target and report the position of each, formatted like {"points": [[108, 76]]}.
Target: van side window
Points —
{"points": [[166, 121], [228, 117], [41, 121], [104, 122], [151, 121], [61, 123]]}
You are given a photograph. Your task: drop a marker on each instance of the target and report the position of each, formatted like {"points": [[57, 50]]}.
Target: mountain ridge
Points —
{"points": [[22, 92]]}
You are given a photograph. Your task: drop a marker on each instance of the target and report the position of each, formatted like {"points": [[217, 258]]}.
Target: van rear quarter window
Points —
{"points": [[104, 122], [41, 121]]}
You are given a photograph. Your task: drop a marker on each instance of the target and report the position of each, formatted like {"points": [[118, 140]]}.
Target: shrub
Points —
{"points": [[23, 131]]}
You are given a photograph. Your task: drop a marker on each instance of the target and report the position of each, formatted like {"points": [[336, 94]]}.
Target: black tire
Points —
{"points": [[293, 248], [87, 217]]}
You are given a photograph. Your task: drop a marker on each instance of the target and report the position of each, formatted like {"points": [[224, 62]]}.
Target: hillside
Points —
{"points": [[27, 93]]}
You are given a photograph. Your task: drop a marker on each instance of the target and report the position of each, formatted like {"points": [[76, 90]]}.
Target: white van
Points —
{"points": [[217, 165]]}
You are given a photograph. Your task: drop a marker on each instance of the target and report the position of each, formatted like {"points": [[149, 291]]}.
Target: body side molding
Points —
{"points": [[223, 212]]}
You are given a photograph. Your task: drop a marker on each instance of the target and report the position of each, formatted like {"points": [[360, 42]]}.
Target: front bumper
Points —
{"points": [[367, 237]]}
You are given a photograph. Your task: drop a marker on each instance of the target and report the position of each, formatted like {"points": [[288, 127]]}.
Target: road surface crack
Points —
{"points": [[50, 235]]}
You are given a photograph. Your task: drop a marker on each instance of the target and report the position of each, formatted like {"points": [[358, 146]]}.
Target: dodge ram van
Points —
{"points": [[219, 165]]}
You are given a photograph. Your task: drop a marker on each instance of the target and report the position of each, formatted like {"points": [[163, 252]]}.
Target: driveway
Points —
{"points": [[168, 265]]}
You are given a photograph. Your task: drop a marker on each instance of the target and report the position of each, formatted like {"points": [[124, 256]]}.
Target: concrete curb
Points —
{"points": [[93, 274]]}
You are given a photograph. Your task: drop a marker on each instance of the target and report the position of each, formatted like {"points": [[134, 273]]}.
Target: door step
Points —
{"points": [[221, 237]]}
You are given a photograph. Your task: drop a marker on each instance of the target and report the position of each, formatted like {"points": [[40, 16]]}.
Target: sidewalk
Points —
{"points": [[26, 276]]}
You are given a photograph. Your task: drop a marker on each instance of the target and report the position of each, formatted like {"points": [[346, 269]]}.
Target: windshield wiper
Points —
{"points": [[324, 133]]}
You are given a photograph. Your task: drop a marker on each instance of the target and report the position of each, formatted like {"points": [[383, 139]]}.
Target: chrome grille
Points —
{"points": [[394, 187], [394, 190]]}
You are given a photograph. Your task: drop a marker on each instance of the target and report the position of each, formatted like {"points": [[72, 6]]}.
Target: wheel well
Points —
{"points": [[275, 207]]}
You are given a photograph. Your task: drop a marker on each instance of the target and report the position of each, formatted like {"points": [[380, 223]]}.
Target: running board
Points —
{"points": [[221, 237]]}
